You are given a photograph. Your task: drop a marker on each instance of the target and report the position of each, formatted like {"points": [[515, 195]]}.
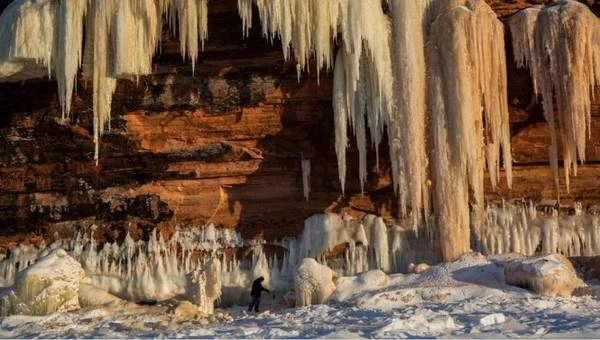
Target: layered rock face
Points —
{"points": [[221, 145]]}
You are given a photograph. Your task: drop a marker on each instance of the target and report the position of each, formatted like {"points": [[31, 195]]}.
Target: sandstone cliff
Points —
{"points": [[222, 146]]}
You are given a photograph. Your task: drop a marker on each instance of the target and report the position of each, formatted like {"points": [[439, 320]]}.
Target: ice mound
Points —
{"points": [[50, 285], [551, 275], [313, 283], [185, 310]]}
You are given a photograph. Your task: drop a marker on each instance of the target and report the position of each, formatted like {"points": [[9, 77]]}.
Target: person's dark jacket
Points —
{"points": [[257, 288]]}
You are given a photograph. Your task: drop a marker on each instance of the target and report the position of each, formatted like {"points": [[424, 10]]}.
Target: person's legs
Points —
{"points": [[256, 303], [251, 304]]}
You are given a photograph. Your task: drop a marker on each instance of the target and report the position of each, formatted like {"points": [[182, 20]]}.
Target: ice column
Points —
{"points": [[467, 73]]}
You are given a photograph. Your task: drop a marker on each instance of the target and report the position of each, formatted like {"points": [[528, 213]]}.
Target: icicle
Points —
{"points": [[68, 49], [518, 228], [245, 11], [340, 119], [193, 21], [558, 44], [305, 166]]}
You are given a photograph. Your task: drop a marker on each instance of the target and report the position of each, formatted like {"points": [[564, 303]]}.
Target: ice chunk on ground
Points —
{"points": [[492, 319], [551, 275], [185, 310], [418, 325], [91, 296], [50, 285], [204, 286]]}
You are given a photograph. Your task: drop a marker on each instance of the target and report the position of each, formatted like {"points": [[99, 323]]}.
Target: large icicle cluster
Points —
{"points": [[363, 87], [370, 244], [559, 45], [199, 263], [121, 36]]}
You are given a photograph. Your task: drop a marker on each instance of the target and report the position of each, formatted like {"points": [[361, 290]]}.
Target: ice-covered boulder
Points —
{"points": [[551, 275], [418, 269], [313, 283], [50, 285]]}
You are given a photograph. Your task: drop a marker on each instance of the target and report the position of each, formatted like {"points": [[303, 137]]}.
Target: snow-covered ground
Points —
{"points": [[466, 298], [523, 315]]}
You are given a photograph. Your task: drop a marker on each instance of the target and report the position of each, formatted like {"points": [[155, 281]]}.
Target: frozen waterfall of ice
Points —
{"points": [[383, 68], [521, 228]]}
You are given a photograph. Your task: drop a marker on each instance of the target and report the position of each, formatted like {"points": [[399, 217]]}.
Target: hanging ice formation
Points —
{"points": [[363, 93], [467, 87], [407, 133], [121, 38], [559, 45], [305, 165]]}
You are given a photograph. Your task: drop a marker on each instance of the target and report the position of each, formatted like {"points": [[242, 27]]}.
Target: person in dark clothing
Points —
{"points": [[257, 288]]}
